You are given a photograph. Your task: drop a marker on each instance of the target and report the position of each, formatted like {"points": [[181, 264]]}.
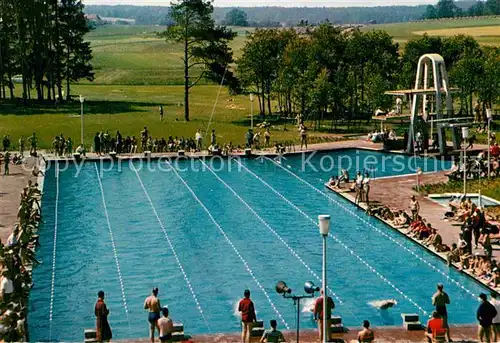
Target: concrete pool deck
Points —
{"points": [[459, 333], [396, 192]]}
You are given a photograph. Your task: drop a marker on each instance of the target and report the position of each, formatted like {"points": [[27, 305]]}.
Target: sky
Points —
{"points": [[284, 3]]}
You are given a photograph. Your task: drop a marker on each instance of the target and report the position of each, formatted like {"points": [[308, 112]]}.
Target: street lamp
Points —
{"points": [[324, 230], [283, 289], [489, 115], [82, 100], [465, 135], [251, 111]]}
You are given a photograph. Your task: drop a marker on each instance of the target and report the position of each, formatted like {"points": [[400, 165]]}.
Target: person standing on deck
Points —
{"points": [[496, 321], [318, 314], [213, 139], [414, 207], [198, 139], [248, 317], [366, 188], [485, 314], [103, 330], [21, 146], [33, 141], [152, 304], [359, 187], [267, 137], [440, 299], [303, 136]]}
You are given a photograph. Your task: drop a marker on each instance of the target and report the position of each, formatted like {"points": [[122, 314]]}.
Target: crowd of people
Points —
{"points": [[17, 258], [477, 166], [360, 185]]}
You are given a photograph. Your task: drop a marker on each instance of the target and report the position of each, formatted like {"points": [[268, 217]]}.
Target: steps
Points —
{"points": [[411, 322]]}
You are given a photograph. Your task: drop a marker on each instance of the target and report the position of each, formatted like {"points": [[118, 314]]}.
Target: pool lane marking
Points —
{"points": [[115, 253], [51, 306], [271, 229], [245, 263], [352, 252], [176, 257], [450, 279]]}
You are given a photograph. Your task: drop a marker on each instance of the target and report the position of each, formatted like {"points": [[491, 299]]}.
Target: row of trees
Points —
{"points": [[42, 45], [270, 16], [328, 73], [450, 9]]}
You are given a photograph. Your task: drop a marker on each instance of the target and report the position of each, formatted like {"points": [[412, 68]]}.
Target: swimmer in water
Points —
{"points": [[152, 304], [384, 304]]}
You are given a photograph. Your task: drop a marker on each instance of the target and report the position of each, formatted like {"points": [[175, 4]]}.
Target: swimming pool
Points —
{"points": [[204, 234], [444, 199]]}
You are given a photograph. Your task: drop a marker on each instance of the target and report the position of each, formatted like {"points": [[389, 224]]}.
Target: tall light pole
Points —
{"points": [[82, 100], [465, 135], [489, 114], [251, 111], [324, 229]]}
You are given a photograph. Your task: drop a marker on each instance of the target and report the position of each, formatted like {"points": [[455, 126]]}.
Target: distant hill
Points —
{"points": [[273, 16]]}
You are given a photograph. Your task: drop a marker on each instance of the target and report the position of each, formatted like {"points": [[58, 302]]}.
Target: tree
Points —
{"points": [[430, 12], [236, 17], [205, 45], [489, 84], [446, 9], [76, 51]]}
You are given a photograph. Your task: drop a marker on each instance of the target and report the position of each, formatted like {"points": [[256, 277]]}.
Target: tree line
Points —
{"points": [[271, 16], [325, 73], [42, 47], [450, 9]]}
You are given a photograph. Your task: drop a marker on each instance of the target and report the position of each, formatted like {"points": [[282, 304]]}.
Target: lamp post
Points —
{"points": [[251, 111], [324, 229], [82, 100], [309, 288], [465, 135], [489, 115]]}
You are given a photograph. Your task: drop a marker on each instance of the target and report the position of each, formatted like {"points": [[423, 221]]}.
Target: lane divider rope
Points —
{"points": [[293, 252], [174, 252], [52, 287], [245, 263], [342, 206], [115, 252], [352, 252]]}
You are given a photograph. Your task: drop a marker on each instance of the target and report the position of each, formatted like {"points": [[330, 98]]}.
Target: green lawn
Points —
{"points": [[129, 108], [490, 188], [134, 55], [402, 32]]}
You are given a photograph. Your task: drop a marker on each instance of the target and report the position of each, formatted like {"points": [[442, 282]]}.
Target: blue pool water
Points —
{"points": [[187, 233]]}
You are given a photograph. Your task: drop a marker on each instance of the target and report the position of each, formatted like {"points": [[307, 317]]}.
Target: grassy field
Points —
{"points": [[402, 32], [130, 108], [134, 55]]}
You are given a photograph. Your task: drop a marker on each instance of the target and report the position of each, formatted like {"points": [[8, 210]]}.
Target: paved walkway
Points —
{"points": [[10, 195], [386, 334]]}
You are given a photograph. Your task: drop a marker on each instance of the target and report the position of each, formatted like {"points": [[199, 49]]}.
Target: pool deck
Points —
{"points": [[10, 194], [462, 333], [396, 192]]}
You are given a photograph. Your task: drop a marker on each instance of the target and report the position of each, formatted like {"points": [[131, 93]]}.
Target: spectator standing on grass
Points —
{"points": [[366, 335], [101, 311], [213, 139], [97, 144], [485, 314], [152, 304], [496, 321], [33, 144], [199, 139], [6, 142], [249, 138], [303, 136], [62, 145], [267, 137], [69, 146], [144, 138], [318, 313], [273, 335], [440, 299], [247, 309], [161, 113]]}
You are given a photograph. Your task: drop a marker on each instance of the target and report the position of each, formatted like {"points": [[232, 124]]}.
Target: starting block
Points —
{"points": [[112, 154], [257, 331], [147, 154], [248, 152], [181, 153], [411, 321], [90, 335], [336, 325]]}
